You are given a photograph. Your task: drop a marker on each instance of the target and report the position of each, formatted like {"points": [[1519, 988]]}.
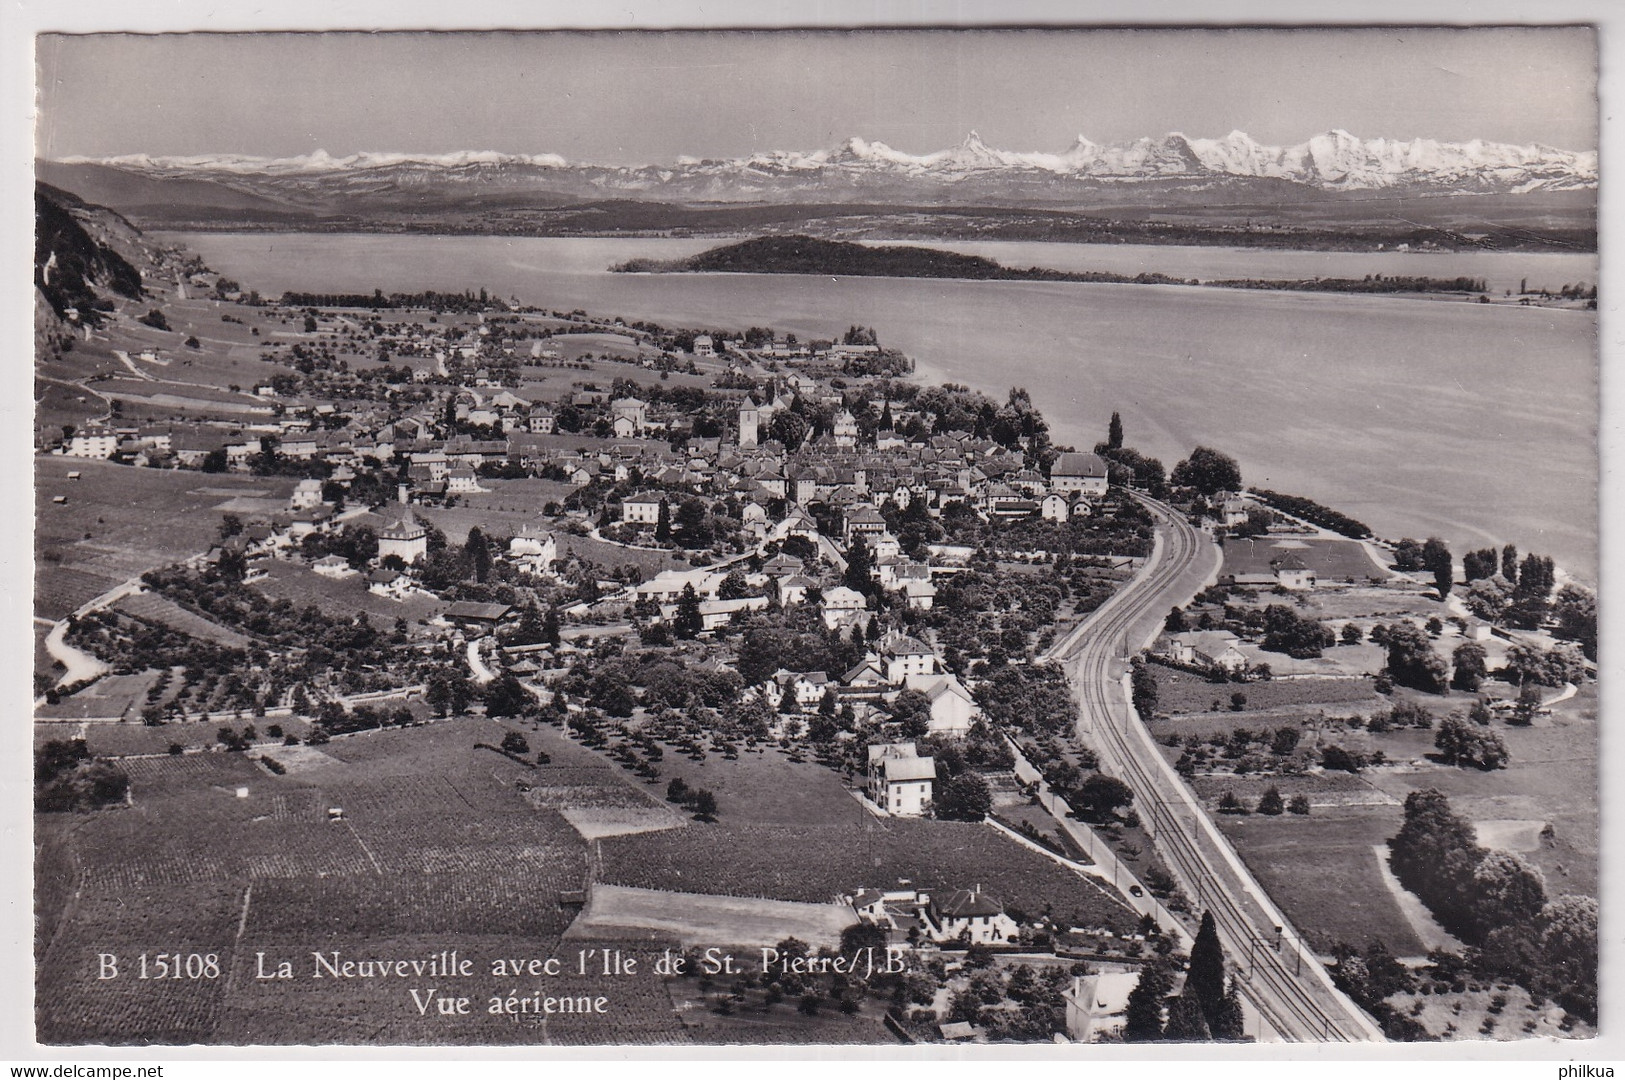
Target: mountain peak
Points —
{"points": [[1333, 159]]}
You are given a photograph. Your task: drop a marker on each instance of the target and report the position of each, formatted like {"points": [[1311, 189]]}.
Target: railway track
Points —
{"points": [[1281, 978]]}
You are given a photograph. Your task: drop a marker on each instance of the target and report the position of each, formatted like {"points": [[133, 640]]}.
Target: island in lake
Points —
{"points": [[838, 258]]}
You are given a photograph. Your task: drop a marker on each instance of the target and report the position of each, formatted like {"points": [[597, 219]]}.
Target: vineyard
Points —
{"points": [[815, 864], [597, 802]]}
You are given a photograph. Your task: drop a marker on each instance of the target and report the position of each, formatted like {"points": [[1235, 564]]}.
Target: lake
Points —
{"points": [[1418, 416]]}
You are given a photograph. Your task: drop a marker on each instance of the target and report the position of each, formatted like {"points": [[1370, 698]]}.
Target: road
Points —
{"points": [[1288, 989]]}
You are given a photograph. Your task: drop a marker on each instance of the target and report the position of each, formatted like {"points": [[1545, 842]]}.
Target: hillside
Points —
{"points": [[81, 253]]}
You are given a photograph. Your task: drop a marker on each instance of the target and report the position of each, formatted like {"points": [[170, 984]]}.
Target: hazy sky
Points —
{"points": [[622, 98]]}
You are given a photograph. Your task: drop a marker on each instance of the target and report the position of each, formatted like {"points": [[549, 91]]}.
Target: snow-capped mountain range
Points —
{"points": [[858, 169]]}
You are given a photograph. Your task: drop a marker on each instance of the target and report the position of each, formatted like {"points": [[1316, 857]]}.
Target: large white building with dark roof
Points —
{"points": [[1079, 472]]}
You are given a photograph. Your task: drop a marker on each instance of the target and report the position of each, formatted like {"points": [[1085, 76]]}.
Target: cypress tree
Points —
{"points": [[1143, 1016], [858, 564], [663, 522], [1114, 432], [1205, 975], [689, 621], [1185, 1020], [1230, 1025], [1509, 563]]}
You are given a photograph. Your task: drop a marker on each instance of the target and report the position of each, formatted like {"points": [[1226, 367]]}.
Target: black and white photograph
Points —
{"points": [[936, 537]]}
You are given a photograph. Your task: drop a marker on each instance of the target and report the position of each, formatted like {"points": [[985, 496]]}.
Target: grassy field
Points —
{"points": [[1320, 870], [1552, 776], [296, 582], [114, 695], [706, 920], [1331, 560], [120, 521], [814, 864], [1180, 693], [767, 789]]}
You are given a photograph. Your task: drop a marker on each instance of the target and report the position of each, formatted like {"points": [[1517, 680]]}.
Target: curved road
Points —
{"points": [[1283, 981]]}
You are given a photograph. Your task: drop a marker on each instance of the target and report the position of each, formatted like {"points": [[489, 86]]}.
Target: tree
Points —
{"points": [[1479, 564], [1143, 689], [1114, 432], [1460, 742], [1230, 1024], [964, 798], [1299, 804], [1531, 597], [704, 804], [1576, 612], [1469, 659], [1568, 946], [1186, 1021], [1408, 556], [1208, 471], [550, 626], [1143, 1016], [1100, 796], [912, 710], [1205, 973], [1489, 598], [788, 427], [1509, 563], [1436, 560], [663, 522], [1507, 889], [689, 622], [514, 742], [506, 696], [478, 554], [1412, 661], [1270, 803], [1351, 634], [733, 586], [1528, 704], [858, 566]]}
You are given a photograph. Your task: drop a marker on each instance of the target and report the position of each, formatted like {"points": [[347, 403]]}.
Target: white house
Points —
{"points": [[973, 916], [1096, 1004], [900, 780], [717, 613], [1207, 648], [1078, 472], [921, 594], [463, 481], [92, 442], [306, 494], [845, 429], [952, 708], [704, 346], [332, 566], [842, 605], [641, 509], [1293, 573], [533, 550], [904, 656], [630, 416], [392, 584], [406, 537]]}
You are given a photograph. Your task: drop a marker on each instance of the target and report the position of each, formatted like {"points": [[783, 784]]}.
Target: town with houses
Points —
{"points": [[702, 601]]}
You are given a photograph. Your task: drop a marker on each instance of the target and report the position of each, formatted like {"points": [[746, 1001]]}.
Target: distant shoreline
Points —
{"points": [[811, 256]]}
